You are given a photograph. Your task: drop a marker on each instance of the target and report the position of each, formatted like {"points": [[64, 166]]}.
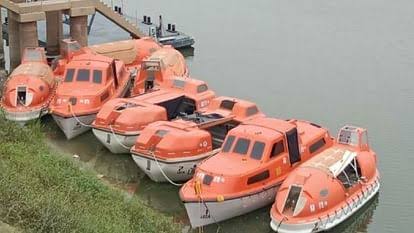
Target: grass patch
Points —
{"points": [[42, 192]]}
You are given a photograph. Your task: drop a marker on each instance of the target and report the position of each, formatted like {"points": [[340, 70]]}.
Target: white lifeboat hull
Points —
{"points": [[116, 143], [180, 169], [327, 223]]}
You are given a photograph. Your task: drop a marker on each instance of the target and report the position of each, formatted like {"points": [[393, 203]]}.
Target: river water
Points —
{"points": [[333, 62]]}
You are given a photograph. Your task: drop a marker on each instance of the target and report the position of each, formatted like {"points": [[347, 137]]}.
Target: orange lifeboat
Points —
{"points": [[329, 188], [131, 52], [90, 80], [120, 121], [163, 63], [30, 87], [254, 160], [159, 150]]}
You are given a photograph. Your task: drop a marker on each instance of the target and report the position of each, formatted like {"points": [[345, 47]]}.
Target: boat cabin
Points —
{"points": [[88, 82], [260, 152], [178, 97]]}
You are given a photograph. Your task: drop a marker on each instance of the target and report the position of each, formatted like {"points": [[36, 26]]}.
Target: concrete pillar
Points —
{"points": [[79, 29], [14, 44], [54, 32], [1, 43], [21, 35]]}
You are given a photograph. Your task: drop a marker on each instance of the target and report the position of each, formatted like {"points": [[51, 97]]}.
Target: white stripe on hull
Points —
{"points": [[23, 117], [178, 170], [326, 223], [113, 144], [200, 215], [71, 127]]}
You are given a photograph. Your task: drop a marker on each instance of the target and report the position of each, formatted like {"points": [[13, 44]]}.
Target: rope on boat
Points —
{"points": [[76, 118], [198, 192], [117, 140], [163, 173], [280, 223]]}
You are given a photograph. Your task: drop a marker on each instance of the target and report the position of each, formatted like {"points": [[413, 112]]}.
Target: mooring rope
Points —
{"points": [[76, 118], [163, 173], [117, 140]]}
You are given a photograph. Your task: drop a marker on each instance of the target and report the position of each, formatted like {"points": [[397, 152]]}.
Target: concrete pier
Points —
{"points": [[2, 63], [79, 29], [21, 35], [23, 16], [54, 32]]}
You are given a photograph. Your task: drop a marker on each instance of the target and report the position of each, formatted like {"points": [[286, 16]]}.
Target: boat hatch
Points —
{"points": [[126, 105], [351, 174], [22, 96], [178, 106], [149, 81], [227, 104], [293, 146], [292, 199]]}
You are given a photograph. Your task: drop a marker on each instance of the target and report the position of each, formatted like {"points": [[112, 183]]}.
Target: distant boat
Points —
{"points": [[168, 36]]}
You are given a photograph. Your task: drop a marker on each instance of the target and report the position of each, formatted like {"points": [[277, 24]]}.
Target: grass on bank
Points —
{"points": [[42, 192]]}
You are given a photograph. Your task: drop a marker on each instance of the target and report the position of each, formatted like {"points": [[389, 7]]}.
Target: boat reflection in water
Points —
{"points": [[360, 220]]}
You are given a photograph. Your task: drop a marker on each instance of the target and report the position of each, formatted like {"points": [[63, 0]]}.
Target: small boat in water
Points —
{"points": [[165, 36], [160, 152], [90, 80], [330, 187], [30, 88], [254, 160], [120, 121]]}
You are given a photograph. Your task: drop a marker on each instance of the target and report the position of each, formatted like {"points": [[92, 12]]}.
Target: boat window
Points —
{"points": [[242, 145], [227, 104], [69, 75], [292, 200], [179, 83], [83, 75], [202, 88], [251, 111], [351, 174], [257, 150], [277, 149], [259, 177], [317, 145], [97, 76], [229, 142]]}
